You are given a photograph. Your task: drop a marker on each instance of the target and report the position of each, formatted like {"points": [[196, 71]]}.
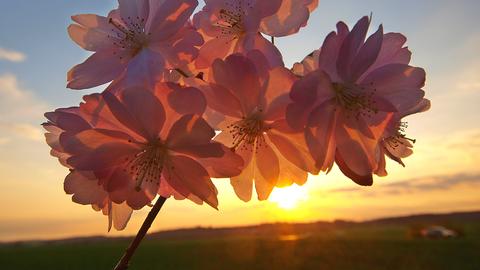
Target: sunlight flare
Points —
{"points": [[289, 198]]}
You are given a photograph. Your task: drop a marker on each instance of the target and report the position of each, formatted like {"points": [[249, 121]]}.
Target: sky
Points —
{"points": [[442, 176]]}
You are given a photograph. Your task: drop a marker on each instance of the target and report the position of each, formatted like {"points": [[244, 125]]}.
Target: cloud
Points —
{"points": [[18, 103], [23, 130], [467, 80], [4, 140], [12, 56], [417, 185], [22, 112]]}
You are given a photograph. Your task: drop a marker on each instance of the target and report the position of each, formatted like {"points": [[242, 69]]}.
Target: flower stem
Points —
{"points": [[124, 261]]}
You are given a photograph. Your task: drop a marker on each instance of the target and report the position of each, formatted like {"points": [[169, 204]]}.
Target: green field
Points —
{"points": [[359, 247]]}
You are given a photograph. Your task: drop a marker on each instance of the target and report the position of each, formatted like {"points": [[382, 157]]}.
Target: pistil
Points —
{"points": [[131, 34], [356, 100], [248, 132], [147, 165]]}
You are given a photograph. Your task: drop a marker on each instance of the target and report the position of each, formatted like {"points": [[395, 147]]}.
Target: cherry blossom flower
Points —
{"points": [[132, 147], [253, 98], [394, 143], [83, 185], [135, 43], [235, 26], [346, 100]]}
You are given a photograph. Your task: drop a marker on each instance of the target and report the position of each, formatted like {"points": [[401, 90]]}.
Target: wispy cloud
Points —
{"points": [[18, 103], [4, 140], [417, 185], [12, 56], [23, 130], [21, 111]]}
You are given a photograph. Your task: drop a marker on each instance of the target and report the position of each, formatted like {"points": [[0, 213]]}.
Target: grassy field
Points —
{"points": [[360, 247]]}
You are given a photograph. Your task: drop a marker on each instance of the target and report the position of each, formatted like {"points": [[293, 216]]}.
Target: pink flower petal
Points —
{"points": [[402, 149], [89, 139], [123, 115], [53, 135], [398, 83], [367, 55], [329, 53], [145, 69], [266, 8], [187, 100], [382, 164], [104, 157], [277, 93], [320, 135], [289, 173], [357, 152], [261, 62], [312, 5], [100, 23], [96, 111], [349, 49], [122, 187], [423, 106], [287, 20], [98, 69], [308, 64], [292, 146], [226, 138], [90, 39], [316, 87], [85, 188], [392, 52], [263, 187], [220, 99], [192, 134], [396, 77], [213, 49], [270, 51], [229, 165], [67, 121], [185, 48], [240, 76], [146, 109], [188, 176], [267, 162], [243, 183], [363, 180], [131, 10], [119, 215], [190, 130], [167, 17]]}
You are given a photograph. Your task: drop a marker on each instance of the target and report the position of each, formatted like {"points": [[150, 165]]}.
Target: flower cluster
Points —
{"points": [[190, 98]]}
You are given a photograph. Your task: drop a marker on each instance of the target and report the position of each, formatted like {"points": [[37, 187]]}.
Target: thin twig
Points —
{"points": [[124, 261], [183, 73], [273, 40]]}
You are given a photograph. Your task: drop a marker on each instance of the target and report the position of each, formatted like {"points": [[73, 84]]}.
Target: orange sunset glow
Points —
{"points": [[442, 176]]}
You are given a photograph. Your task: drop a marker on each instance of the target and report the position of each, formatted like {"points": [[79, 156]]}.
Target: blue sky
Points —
{"points": [[36, 53], [437, 30]]}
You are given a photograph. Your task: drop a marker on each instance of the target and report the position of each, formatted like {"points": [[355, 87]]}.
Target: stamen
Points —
{"points": [[118, 26], [129, 35], [396, 140], [248, 133], [231, 20], [147, 166], [356, 100]]}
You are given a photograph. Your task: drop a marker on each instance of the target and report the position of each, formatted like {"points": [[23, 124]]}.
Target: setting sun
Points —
{"points": [[289, 197]]}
